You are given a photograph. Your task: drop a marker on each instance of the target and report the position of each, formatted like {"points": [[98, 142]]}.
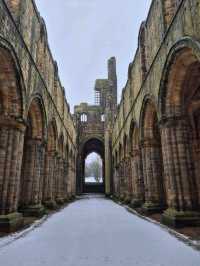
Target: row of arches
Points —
{"points": [[157, 164], [37, 167]]}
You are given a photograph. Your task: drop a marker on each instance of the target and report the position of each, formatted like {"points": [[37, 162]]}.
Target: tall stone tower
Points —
{"points": [[94, 125], [110, 112]]}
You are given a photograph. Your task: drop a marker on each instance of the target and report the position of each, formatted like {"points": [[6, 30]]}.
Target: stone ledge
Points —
{"points": [[150, 208], [33, 211], [11, 222], [136, 203], [51, 205], [60, 201], [180, 219]]}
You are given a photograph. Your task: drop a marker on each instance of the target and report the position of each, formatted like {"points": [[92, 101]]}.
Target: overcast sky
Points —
{"points": [[83, 34]]}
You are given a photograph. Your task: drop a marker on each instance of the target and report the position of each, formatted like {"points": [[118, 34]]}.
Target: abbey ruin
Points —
{"points": [[149, 142]]}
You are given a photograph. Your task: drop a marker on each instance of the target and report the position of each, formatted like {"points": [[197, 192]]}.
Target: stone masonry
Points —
{"points": [[37, 132], [157, 124], [149, 142], [94, 127]]}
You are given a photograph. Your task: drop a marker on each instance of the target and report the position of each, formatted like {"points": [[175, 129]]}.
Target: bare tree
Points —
{"points": [[94, 169]]}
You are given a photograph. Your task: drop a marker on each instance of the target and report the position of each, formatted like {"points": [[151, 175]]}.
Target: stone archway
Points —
{"points": [[155, 196], [33, 161], [12, 129], [89, 146], [180, 113]]}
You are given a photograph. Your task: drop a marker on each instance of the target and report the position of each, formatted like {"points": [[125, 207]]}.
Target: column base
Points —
{"points": [[136, 203], [151, 208], [60, 201], [11, 222], [127, 199], [178, 219], [122, 197], [66, 200], [50, 204], [33, 211]]}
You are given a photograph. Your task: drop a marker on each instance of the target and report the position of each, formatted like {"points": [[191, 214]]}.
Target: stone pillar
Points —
{"points": [[152, 170], [73, 182], [128, 181], [11, 152], [178, 173], [48, 185], [69, 183], [65, 181], [32, 178], [137, 179], [116, 181], [60, 178], [122, 181]]}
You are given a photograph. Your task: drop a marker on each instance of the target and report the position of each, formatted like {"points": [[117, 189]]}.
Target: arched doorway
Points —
{"points": [[93, 174], [91, 149]]}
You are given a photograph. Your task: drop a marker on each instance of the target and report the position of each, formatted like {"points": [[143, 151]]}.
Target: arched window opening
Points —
{"points": [[84, 118], [98, 98], [93, 169], [103, 118]]}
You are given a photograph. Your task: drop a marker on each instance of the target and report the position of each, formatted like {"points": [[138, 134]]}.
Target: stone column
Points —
{"points": [[60, 178], [69, 183], [32, 178], [137, 179], [122, 181], [73, 179], [11, 152], [65, 180], [128, 182], [178, 173], [116, 181], [152, 170], [48, 185]]}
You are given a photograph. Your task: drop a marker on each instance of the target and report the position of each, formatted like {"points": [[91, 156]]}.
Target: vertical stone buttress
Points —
{"points": [[110, 111]]}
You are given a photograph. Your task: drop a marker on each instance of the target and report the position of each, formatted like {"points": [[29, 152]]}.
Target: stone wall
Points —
{"points": [[37, 132], [158, 116]]}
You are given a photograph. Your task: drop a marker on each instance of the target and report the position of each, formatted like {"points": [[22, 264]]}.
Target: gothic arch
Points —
{"points": [[12, 87], [33, 163], [89, 145], [52, 136], [155, 196], [180, 106], [184, 54], [12, 127]]}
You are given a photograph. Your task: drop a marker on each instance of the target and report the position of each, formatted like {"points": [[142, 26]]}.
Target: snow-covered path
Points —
{"points": [[96, 232]]}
